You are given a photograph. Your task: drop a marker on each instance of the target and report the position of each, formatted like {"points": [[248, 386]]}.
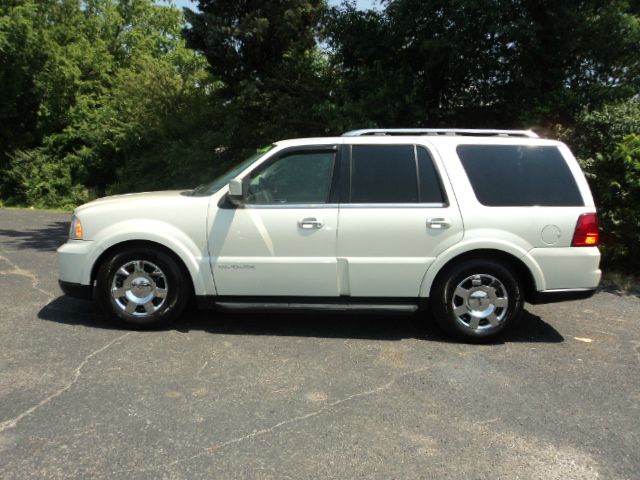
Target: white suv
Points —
{"points": [[381, 220]]}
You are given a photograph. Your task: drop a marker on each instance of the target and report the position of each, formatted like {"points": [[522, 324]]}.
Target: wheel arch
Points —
{"points": [[187, 246], [526, 273], [149, 244]]}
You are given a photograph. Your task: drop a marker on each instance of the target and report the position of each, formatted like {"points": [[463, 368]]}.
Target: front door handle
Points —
{"points": [[310, 223], [439, 223]]}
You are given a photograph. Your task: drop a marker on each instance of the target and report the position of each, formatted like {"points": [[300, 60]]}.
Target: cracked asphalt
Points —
{"points": [[302, 396]]}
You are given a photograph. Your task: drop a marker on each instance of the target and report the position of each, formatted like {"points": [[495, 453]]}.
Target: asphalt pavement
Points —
{"points": [[305, 396]]}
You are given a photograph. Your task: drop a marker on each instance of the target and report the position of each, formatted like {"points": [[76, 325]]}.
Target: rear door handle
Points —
{"points": [[439, 223], [310, 223]]}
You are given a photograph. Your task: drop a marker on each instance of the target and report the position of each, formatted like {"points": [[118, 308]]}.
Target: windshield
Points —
{"points": [[215, 185]]}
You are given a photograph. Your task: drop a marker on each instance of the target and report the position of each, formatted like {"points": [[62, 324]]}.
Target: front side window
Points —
{"points": [[519, 175], [293, 178], [393, 174]]}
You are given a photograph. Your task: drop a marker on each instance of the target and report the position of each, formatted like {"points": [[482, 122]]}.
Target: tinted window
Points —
{"points": [[300, 177], [383, 174], [430, 186], [512, 175]]}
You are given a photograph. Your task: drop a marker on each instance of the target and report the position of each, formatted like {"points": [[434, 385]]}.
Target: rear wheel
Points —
{"points": [[143, 288], [477, 300]]}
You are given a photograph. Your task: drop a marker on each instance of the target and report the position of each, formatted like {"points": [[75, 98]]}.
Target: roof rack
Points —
{"points": [[441, 131]]}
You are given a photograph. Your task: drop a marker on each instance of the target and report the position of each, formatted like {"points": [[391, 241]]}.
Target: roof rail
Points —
{"points": [[441, 131]]}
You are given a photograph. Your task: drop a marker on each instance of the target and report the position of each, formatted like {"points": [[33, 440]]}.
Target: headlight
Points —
{"points": [[75, 231]]}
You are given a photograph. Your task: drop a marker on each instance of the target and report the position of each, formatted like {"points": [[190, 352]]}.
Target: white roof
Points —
{"points": [[419, 139]]}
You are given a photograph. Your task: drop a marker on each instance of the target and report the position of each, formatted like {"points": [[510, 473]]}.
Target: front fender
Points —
{"points": [[162, 233]]}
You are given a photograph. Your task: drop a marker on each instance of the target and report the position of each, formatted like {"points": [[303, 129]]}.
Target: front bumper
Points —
{"points": [[76, 290], [75, 260]]}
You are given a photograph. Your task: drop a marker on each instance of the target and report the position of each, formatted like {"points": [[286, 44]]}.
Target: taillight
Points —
{"points": [[586, 233]]}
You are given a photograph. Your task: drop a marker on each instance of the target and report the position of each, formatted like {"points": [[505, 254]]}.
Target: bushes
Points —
{"points": [[618, 197], [44, 181], [607, 143]]}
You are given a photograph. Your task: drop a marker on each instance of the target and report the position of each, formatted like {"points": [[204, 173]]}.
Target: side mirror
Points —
{"points": [[236, 195]]}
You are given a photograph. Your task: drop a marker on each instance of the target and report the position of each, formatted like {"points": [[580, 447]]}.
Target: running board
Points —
{"points": [[231, 306]]}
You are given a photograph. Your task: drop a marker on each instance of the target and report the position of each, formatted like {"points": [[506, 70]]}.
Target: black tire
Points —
{"points": [[174, 285], [475, 280]]}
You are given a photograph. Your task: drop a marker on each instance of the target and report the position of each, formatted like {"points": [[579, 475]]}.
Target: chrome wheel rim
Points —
{"points": [[139, 288], [480, 302]]}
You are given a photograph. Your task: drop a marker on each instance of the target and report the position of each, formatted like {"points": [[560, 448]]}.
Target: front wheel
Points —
{"points": [[477, 300], [142, 288]]}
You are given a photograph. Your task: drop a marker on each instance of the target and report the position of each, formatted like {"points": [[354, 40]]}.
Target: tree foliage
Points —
{"points": [[621, 204], [607, 143], [484, 62], [272, 74], [249, 39], [21, 56], [108, 81]]}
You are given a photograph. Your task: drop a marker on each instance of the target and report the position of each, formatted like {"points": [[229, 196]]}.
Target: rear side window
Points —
{"points": [[383, 174], [519, 175], [393, 174]]}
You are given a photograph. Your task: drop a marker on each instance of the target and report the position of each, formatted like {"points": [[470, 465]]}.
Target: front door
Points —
{"points": [[283, 241]]}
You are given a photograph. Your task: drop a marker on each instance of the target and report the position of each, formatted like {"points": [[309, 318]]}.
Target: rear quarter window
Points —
{"points": [[519, 175]]}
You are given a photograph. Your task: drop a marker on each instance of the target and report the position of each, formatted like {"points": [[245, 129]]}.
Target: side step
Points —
{"points": [[348, 307]]}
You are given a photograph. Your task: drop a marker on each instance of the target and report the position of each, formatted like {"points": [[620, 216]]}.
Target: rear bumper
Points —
{"points": [[567, 268], [76, 290], [561, 295]]}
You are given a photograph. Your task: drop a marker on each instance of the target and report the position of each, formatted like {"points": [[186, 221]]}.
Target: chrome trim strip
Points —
{"points": [[331, 307], [348, 205], [567, 290], [440, 131], [393, 205], [292, 205]]}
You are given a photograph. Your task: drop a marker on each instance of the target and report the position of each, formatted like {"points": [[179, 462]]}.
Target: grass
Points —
{"points": [[38, 209]]}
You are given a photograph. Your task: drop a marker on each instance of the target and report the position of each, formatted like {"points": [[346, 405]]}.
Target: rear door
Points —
{"points": [[397, 213]]}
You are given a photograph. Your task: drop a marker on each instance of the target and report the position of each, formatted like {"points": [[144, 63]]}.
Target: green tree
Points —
{"points": [[250, 39], [621, 204], [115, 84], [272, 75], [572, 55], [607, 144], [484, 62], [23, 53]]}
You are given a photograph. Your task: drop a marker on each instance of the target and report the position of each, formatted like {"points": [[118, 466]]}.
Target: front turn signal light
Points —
{"points": [[75, 231]]}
